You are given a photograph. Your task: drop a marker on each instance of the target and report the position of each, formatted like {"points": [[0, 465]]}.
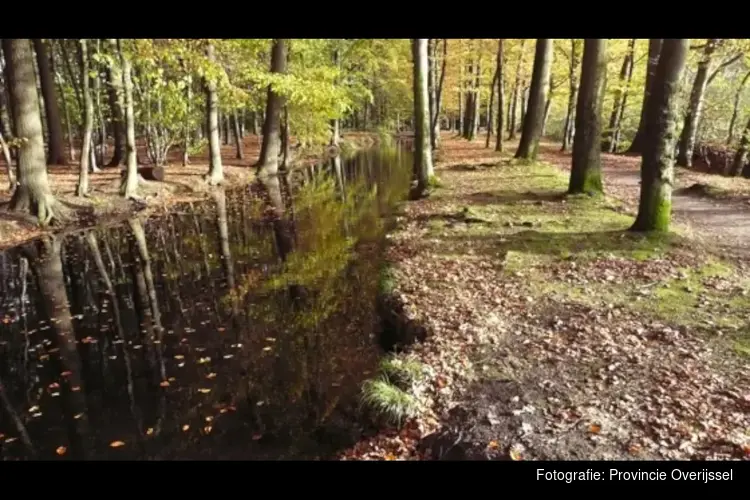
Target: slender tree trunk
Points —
{"points": [[268, 163], [500, 95], [32, 194], [222, 222], [547, 107], [438, 97], [609, 143], [237, 135], [586, 172], [66, 113], [432, 84], [88, 120], [423, 170], [740, 156], [532, 124], [8, 163], [514, 98], [336, 122], [695, 106], [56, 144], [71, 74], [468, 103], [187, 132], [735, 109], [477, 98], [654, 50], [98, 107], [491, 104], [572, 97], [657, 168], [524, 102], [286, 149], [116, 99], [215, 174], [129, 187]]}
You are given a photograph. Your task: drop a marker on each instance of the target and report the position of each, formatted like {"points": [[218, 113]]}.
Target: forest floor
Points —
{"points": [[181, 184], [556, 334]]}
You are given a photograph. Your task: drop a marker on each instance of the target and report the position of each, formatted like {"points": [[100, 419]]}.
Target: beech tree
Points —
{"points": [[423, 169], [33, 194], [533, 121], [657, 166], [215, 170], [586, 172], [56, 139], [654, 51], [271, 147]]}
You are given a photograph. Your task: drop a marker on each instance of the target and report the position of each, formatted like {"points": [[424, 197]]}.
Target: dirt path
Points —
{"points": [[725, 223]]}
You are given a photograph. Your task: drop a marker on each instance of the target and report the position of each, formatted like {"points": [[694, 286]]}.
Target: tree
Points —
{"points": [[657, 166], [532, 124], [500, 95], [612, 134], [268, 163], [736, 107], [654, 51], [56, 139], [695, 106], [116, 97], [215, 174], [423, 170], [32, 194], [740, 156], [574, 61], [586, 171], [129, 186], [88, 121]]}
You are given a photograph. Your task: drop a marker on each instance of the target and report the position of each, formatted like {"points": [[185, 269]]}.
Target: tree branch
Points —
{"points": [[724, 64]]}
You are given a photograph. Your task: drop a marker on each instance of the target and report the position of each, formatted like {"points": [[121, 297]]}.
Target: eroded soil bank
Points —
{"points": [[553, 333]]}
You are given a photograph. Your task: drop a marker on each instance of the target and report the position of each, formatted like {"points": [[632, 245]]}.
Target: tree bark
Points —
{"points": [[654, 50], [491, 104], [88, 121], [609, 142], [56, 142], [336, 122], [129, 186], [116, 99], [423, 170], [657, 167], [569, 126], [268, 163], [477, 98], [500, 95], [532, 124], [187, 132], [432, 84], [736, 108], [695, 106], [514, 98], [439, 97], [740, 156], [237, 135], [215, 174], [9, 169], [586, 172], [32, 194]]}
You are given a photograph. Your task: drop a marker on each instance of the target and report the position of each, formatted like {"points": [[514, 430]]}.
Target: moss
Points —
{"points": [[592, 182], [434, 182], [386, 280], [662, 215]]}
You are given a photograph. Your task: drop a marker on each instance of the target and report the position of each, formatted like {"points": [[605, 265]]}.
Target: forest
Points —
{"points": [[375, 249]]}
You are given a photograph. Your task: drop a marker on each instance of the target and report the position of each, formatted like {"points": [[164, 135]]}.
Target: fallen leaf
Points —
{"points": [[207, 429], [149, 431], [257, 436], [179, 356], [164, 383], [492, 445], [116, 444], [211, 375], [61, 450], [595, 428], [204, 390], [185, 428], [75, 388]]}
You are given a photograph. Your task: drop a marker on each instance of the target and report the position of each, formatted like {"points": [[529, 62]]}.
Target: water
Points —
{"points": [[240, 327]]}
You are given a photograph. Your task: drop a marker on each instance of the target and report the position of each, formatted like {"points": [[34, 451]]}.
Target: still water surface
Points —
{"points": [[239, 327]]}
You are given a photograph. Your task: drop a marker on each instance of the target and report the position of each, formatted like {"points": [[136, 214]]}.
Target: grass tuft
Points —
{"points": [[389, 401]]}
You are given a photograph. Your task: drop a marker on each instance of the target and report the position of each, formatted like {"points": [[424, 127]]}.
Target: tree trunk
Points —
{"points": [[32, 194], [609, 143], [490, 123], [116, 99], [98, 107], [431, 84], [439, 97], [223, 225], [500, 95], [524, 102], [88, 121], [215, 174], [657, 167], [586, 172], [514, 98], [654, 50], [286, 148], [740, 156], [129, 186], [187, 132], [237, 135], [532, 124], [56, 143], [8, 163], [735, 109], [336, 122], [268, 163], [477, 98], [572, 97], [547, 107], [423, 170], [695, 106]]}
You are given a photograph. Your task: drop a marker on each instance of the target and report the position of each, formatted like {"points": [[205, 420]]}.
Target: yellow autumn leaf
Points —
{"points": [[204, 390], [116, 444], [185, 428]]}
